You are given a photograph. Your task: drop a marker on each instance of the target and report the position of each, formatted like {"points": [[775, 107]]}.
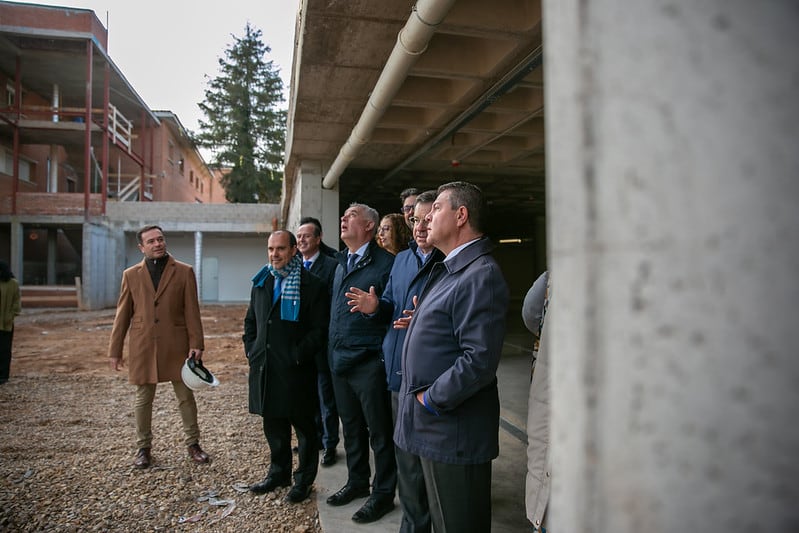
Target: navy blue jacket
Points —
{"points": [[353, 337], [452, 351], [405, 281]]}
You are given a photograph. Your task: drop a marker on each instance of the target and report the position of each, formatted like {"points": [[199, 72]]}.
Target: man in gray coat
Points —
{"points": [[448, 412]]}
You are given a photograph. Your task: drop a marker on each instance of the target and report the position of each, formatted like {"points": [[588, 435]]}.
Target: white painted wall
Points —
{"points": [[240, 257]]}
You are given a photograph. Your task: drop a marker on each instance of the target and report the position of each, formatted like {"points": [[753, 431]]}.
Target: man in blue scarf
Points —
{"points": [[285, 327]]}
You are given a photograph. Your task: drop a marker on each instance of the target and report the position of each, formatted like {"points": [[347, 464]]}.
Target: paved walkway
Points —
{"points": [[508, 470]]}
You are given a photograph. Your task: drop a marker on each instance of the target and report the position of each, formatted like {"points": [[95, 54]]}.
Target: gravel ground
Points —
{"points": [[67, 439]]}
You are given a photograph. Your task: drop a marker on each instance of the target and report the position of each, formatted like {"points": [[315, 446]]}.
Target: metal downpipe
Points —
{"points": [[412, 41]]}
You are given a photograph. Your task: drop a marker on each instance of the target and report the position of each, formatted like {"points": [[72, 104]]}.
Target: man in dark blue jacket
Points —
{"points": [[448, 401], [359, 376]]}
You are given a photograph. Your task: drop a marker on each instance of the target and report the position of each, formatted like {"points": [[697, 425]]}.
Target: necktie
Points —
{"points": [[307, 264], [276, 289], [351, 262]]}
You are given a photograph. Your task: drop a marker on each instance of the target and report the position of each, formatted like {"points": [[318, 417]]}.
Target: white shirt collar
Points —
{"points": [[313, 258], [458, 250], [360, 251]]}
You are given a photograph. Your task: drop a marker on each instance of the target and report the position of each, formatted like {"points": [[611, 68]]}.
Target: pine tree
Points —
{"points": [[245, 127]]}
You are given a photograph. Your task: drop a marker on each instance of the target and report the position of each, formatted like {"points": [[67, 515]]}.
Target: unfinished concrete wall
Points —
{"points": [[310, 199], [672, 186]]}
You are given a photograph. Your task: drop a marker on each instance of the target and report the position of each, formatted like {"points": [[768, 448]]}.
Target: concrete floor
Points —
{"points": [[508, 470]]}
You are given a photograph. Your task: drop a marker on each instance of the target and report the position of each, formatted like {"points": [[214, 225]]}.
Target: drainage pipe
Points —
{"points": [[412, 41]]}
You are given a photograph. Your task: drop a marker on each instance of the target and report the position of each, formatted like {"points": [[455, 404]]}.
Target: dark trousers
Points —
{"points": [[410, 485], [327, 421], [363, 406], [278, 434], [6, 338], [459, 496]]}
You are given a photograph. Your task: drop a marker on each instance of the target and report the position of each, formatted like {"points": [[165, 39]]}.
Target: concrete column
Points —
{"points": [[52, 255], [52, 169], [56, 101], [52, 177], [198, 262], [672, 188], [540, 245], [17, 239], [310, 199]]}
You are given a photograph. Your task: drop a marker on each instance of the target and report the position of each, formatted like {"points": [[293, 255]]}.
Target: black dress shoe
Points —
{"points": [[269, 484], [374, 509], [298, 493], [347, 494], [329, 457], [143, 459]]}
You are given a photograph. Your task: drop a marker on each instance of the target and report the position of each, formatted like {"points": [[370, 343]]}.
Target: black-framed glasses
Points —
{"points": [[406, 208]]}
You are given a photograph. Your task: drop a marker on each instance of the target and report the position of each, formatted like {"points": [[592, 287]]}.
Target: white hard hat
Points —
{"points": [[196, 376]]}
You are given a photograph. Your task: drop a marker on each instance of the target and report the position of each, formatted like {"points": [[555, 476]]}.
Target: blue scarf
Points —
{"points": [[289, 289]]}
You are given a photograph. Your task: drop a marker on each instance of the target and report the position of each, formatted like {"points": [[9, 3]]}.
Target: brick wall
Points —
{"points": [[57, 204], [54, 18]]}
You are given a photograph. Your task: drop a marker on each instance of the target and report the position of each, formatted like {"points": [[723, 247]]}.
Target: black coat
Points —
{"points": [[325, 268], [282, 354]]}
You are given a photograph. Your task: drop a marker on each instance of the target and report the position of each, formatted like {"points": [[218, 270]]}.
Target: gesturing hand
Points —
{"points": [[362, 301], [404, 321]]}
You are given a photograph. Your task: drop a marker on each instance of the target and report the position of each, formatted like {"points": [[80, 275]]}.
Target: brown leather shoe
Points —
{"points": [[143, 459], [198, 455]]}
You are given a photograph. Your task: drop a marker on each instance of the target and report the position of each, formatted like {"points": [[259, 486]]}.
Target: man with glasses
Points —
{"points": [[410, 270], [448, 412], [408, 199]]}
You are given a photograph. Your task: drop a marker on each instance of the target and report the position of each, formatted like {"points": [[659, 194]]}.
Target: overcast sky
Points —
{"points": [[166, 48]]}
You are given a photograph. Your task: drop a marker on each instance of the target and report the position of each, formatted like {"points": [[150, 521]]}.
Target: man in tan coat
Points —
{"points": [[158, 304]]}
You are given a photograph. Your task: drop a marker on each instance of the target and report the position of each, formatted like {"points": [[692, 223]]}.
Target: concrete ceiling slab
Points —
{"points": [[471, 106]]}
